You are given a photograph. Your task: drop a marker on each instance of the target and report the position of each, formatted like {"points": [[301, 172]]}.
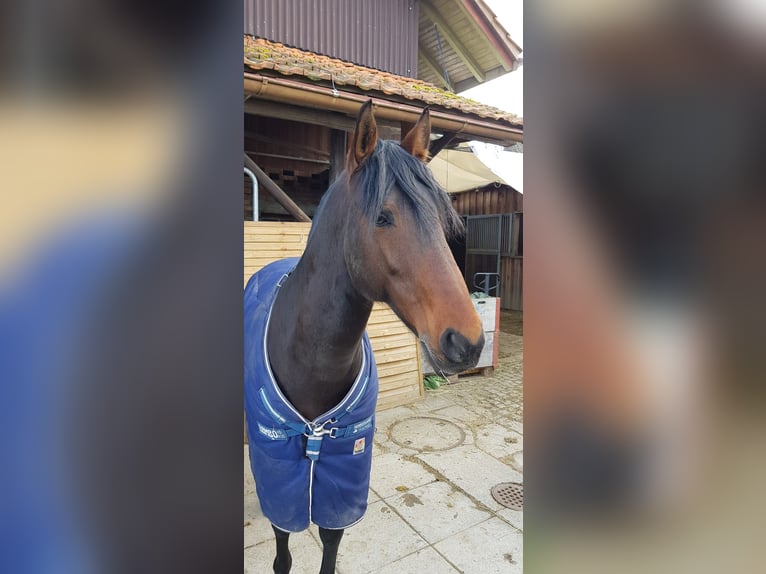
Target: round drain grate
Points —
{"points": [[509, 494]]}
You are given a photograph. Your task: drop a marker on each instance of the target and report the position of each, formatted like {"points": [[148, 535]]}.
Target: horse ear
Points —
{"points": [[416, 142], [364, 138]]}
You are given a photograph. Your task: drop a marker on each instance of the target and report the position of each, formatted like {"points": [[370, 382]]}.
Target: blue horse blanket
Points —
{"points": [[305, 471]]}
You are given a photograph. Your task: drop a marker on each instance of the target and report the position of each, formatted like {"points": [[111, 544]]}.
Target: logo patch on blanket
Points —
{"points": [[305, 471]]}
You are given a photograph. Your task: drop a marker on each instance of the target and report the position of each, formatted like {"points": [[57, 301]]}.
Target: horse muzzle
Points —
{"points": [[456, 353]]}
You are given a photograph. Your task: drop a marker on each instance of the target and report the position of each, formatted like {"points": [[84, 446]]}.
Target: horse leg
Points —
{"points": [[330, 542], [283, 561]]}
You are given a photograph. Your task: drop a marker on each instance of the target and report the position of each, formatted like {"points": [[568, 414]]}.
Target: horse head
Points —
{"points": [[395, 243]]}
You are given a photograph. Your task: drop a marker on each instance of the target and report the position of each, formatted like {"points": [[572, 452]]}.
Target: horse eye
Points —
{"points": [[385, 219]]}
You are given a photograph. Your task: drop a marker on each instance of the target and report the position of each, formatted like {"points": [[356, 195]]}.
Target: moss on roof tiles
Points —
{"points": [[263, 54]]}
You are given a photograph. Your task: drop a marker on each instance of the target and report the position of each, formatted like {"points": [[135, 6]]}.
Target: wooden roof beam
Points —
{"points": [[453, 40], [469, 126], [437, 145], [505, 49], [434, 67]]}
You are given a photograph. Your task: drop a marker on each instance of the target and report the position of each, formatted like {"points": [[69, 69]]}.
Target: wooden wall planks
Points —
{"points": [[488, 200]]}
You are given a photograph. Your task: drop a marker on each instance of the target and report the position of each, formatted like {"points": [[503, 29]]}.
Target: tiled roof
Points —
{"points": [[264, 55]]}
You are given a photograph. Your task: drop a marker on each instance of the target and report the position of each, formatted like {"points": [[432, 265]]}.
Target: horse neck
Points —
{"points": [[318, 320]]}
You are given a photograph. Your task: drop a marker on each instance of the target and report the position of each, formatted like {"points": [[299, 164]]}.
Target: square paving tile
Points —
{"points": [[434, 400], [473, 470], [372, 496], [257, 526], [498, 441], [426, 561], [437, 511], [391, 475], [381, 538], [492, 547], [384, 419], [515, 517], [517, 426], [456, 412]]}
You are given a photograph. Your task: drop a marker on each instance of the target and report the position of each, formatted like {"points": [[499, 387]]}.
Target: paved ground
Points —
{"points": [[430, 508]]}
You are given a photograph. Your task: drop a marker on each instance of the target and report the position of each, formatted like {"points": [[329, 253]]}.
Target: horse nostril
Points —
{"points": [[457, 348]]}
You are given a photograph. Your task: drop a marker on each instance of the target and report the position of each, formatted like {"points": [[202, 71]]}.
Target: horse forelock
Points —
{"points": [[390, 165]]}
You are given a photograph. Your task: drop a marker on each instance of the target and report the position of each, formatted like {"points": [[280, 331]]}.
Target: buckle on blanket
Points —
{"points": [[320, 431], [315, 434]]}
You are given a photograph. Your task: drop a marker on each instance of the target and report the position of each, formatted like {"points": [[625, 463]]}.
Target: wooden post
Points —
{"points": [[338, 140], [284, 200]]}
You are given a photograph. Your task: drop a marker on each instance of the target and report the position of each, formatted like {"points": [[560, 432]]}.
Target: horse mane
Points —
{"points": [[429, 203], [390, 165]]}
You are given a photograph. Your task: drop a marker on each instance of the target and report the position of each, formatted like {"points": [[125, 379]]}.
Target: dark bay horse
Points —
{"points": [[380, 234]]}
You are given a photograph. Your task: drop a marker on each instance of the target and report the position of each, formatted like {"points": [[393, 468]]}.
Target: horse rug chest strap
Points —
{"points": [[314, 431]]}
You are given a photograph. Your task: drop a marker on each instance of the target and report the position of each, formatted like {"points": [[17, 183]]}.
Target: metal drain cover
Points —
{"points": [[509, 494]]}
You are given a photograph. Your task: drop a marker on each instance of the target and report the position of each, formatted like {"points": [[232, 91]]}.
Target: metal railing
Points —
{"points": [[255, 193]]}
